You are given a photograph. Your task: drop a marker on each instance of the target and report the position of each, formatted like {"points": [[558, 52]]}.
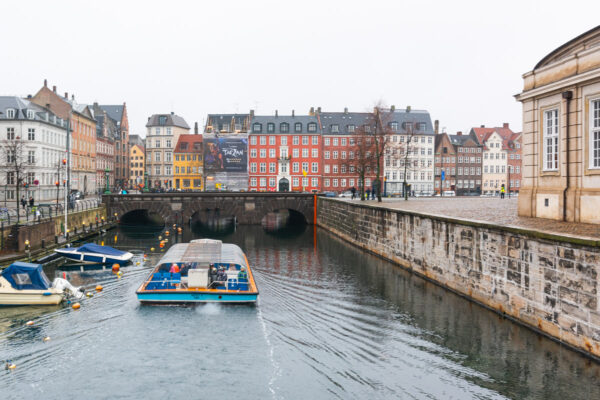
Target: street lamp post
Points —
{"points": [[106, 173], [145, 182]]}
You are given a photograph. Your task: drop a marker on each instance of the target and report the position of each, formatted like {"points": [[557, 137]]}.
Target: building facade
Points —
{"points": [[189, 174], [515, 164], [105, 149], [409, 155], [469, 155], [42, 136], [137, 157], [445, 164], [561, 133], [285, 153], [163, 131], [118, 113]]}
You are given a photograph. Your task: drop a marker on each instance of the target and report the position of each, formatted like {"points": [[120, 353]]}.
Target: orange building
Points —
{"points": [[188, 163]]}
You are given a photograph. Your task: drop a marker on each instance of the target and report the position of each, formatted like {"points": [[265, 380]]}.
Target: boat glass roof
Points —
{"points": [[205, 252]]}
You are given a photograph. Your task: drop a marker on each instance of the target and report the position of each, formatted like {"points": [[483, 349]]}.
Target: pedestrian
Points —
{"points": [[23, 202], [353, 191], [502, 191], [30, 201], [373, 192], [38, 215], [368, 194]]}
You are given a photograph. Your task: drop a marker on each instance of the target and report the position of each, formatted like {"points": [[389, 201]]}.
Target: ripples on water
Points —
{"points": [[332, 322]]}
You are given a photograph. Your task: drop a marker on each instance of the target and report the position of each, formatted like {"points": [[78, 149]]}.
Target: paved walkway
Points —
{"points": [[489, 210]]}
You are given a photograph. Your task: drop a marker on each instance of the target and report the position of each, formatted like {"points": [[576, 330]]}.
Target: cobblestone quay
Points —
{"points": [[547, 281]]}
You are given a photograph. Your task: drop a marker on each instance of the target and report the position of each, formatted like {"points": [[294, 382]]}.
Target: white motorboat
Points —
{"points": [[26, 284]]}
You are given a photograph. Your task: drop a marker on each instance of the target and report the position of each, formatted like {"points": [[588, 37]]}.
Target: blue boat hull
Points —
{"points": [[93, 259], [195, 297]]}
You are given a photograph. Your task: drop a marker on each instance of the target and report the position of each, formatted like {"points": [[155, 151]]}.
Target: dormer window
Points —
{"points": [[351, 128], [312, 127], [10, 113], [256, 127], [30, 114], [284, 127], [335, 128], [270, 127], [394, 126], [298, 127], [162, 120]]}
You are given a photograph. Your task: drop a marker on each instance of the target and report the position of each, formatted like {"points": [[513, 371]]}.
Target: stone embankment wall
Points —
{"points": [[547, 282]]}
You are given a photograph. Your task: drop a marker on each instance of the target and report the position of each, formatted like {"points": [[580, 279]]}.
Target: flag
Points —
{"points": [[304, 172]]}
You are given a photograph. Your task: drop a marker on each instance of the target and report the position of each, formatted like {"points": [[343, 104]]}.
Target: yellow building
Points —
{"points": [[188, 163], [136, 165]]}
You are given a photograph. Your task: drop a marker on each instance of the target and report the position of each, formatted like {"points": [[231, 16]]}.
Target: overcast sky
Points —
{"points": [[461, 60]]}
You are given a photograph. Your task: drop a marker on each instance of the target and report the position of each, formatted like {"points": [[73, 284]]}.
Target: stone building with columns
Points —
{"points": [[561, 133]]}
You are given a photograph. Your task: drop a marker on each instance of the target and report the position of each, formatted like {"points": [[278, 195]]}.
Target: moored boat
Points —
{"points": [[26, 284], [202, 271], [94, 253]]}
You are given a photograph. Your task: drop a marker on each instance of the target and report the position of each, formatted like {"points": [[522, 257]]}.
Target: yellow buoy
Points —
{"points": [[102, 243], [10, 365], [167, 233], [99, 288], [119, 274], [160, 238], [116, 267], [46, 339], [166, 240], [89, 294], [76, 306], [137, 263], [151, 248], [29, 323]]}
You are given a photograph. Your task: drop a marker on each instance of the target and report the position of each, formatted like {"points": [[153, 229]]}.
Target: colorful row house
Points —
{"points": [[188, 163]]}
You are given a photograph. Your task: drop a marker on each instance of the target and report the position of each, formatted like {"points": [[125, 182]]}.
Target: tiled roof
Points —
{"points": [[190, 140], [114, 112], [343, 120]]}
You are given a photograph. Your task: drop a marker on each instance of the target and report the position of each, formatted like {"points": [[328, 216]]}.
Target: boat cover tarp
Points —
{"points": [[23, 275], [96, 248]]}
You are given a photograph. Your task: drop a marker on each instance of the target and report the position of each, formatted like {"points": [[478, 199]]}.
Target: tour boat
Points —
{"points": [[26, 284], [196, 281], [94, 253]]}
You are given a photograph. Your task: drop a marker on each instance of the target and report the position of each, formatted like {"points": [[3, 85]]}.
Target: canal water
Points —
{"points": [[332, 323]]}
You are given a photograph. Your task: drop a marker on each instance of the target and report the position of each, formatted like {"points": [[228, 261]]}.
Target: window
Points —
{"points": [[176, 169], [315, 140], [253, 140], [257, 128], [312, 127], [351, 128], [304, 140], [327, 141], [550, 142], [304, 182], [326, 155], [284, 140], [157, 170], [10, 113], [314, 182], [31, 157], [272, 153], [263, 182], [168, 143], [295, 152], [295, 139], [272, 168], [295, 167], [334, 168], [335, 141], [270, 127], [394, 126], [298, 127], [252, 181], [253, 167], [157, 156], [272, 140], [595, 134], [327, 168], [253, 153], [10, 178], [168, 156], [305, 167], [263, 140], [272, 182], [295, 182], [284, 127], [315, 153], [518, 169], [167, 169], [10, 133], [314, 168], [263, 153], [263, 168], [335, 155], [31, 134]]}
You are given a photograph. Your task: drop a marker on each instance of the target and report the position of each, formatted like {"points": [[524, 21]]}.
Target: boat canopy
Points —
{"points": [[22, 275], [96, 248], [205, 251]]}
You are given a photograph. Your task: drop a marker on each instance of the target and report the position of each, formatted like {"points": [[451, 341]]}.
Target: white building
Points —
{"points": [[44, 149], [410, 150]]}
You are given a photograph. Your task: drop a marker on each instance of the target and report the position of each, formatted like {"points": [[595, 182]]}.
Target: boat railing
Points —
{"points": [[170, 281]]}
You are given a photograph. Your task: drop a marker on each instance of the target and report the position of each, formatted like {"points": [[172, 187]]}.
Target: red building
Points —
{"points": [[515, 162], [284, 153], [340, 135]]}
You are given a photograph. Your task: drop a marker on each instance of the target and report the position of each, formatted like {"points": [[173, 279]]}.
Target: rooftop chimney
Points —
{"points": [[319, 110], [73, 97], [436, 126], [172, 113], [66, 95], [293, 113], [312, 111], [251, 113], [345, 110], [276, 113], [45, 82], [95, 104], [505, 125], [196, 128], [393, 108], [407, 109], [482, 126], [54, 89], [148, 119], [459, 133]]}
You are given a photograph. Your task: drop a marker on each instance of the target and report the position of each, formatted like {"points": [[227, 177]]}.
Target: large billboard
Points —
{"points": [[226, 155]]}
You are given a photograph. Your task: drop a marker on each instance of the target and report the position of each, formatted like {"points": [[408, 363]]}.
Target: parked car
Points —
{"points": [[76, 194], [346, 194], [329, 194], [449, 193]]}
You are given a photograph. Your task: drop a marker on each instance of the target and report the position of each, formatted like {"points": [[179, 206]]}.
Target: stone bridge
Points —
{"points": [[249, 208]]}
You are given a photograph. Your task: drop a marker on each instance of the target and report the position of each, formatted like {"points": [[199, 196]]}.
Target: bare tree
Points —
{"points": [[381, 139], [362, 145], [15, 164]]}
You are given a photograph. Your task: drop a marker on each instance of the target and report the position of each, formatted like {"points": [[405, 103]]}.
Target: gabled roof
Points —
{"points": [[190, 140], [483, 134], [343, 120], [114, 112], [171, 120]]}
